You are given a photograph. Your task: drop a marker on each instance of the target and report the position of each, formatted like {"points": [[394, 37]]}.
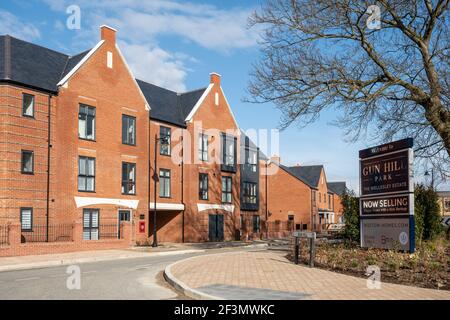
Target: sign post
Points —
{"points": [[387, 196]]}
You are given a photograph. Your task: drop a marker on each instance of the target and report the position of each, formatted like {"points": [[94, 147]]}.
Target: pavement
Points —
{"points": [[269, 275]]}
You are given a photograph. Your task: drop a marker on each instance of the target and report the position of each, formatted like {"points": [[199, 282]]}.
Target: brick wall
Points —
{"points": [[287, 195]]}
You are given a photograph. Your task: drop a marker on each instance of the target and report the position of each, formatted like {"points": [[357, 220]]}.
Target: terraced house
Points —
{"points": [[312, 202], [91, 156]]}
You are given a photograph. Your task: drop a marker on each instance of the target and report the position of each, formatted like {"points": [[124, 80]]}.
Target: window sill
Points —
{"points": [[29, 117], [28, 173], [86, 191], [86, 139]]}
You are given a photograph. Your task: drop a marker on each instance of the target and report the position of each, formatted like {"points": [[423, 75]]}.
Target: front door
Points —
{"points": [[216, 227], [124, 215]]}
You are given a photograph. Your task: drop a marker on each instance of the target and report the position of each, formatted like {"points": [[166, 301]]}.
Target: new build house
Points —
{"points": [[301, 197], [91, 157]]}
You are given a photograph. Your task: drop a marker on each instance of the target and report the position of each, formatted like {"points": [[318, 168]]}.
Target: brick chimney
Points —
{"points": [[108, 34], [276, 159], [215, 78]]}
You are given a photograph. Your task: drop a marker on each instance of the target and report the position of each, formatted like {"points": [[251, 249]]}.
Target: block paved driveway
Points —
{"points": [[268, 275]]}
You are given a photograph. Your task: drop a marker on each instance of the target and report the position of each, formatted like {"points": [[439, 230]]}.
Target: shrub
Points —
{"points": [[350, 205], [426, 211]]}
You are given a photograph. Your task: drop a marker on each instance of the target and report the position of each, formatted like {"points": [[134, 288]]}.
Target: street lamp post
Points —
{"points": [[155, 177]]}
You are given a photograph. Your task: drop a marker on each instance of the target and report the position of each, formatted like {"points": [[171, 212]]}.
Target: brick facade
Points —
{"points": [[104, 83]]}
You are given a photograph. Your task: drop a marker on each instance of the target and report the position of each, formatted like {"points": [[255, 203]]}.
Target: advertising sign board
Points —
{"points": [[387, 196]]}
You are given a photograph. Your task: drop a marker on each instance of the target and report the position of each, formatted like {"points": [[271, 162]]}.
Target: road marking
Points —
{"points": [[27, 279], [144, 266], [93, 271]]}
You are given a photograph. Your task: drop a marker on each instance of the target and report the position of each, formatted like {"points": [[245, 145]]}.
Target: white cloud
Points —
{"points": [[12, 25], [155, 65], [141, 24]]}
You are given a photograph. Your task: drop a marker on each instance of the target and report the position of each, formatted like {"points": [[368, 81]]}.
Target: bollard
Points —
{"points": [[296, 250], [311, 252]]}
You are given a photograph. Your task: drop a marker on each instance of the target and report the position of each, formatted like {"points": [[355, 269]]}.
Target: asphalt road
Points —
{"points": [[139, 278]]}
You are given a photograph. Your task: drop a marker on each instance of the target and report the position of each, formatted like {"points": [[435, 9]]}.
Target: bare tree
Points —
{"points": [[391, 78]]}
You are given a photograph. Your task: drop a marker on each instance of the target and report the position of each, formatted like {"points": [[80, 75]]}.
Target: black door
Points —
{"points": [[216, 227]]}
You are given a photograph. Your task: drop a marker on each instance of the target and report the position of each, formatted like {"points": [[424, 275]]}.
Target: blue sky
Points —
{"points": [[176, 45]]}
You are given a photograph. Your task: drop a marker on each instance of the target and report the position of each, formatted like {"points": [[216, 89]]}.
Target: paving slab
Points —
{"points": [[269, 275]]}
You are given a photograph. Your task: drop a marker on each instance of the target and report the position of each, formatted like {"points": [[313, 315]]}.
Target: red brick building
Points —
{"points": [[300, 198], [88, 152], [91, 157]]}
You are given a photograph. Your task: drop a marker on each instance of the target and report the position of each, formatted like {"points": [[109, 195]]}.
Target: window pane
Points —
{"points": [[90, 127], [91, 166], [82, 127], [82, 183], [94, 219], [86, 235], [28, 105], [27, 161], [94, 234], [89, 184], [26, 219], [82, 166], [86, 219]]}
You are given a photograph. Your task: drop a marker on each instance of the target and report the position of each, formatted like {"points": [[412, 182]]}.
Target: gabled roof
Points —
{"points": [[169, 106], [309, 174], [337, 187], [38, 67], [31, 65], [73, 61], [295, 175]]}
